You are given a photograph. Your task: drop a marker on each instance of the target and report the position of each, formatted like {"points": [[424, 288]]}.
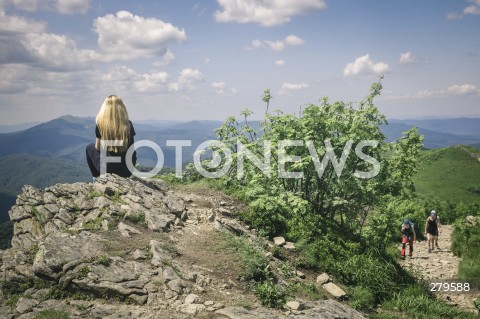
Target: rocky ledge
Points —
{"points": [[129, 248]]}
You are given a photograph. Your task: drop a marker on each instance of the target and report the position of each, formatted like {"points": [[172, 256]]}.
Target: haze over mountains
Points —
{"points": [[54, 151]]}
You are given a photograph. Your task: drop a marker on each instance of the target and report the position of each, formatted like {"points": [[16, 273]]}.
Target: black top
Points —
{"points": [[121, 168], [432, 227]]}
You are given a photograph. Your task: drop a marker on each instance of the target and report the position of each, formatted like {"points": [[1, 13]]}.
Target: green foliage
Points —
{"points": [[83, 272], [94, 224], [32, 252], [415, 302], [298, 205], [270, 294], [103, 260], [6, 234], [116, 198], [12, 300], [380, 277], [449, 174], [254, 264], [363, 298], [308, 291], [466, 244], [52, 314], [93, 193], [137, 218]]}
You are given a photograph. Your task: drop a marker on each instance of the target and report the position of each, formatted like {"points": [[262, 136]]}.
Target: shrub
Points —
{"points": [[270, 294], [363, 298], [52, 314]]}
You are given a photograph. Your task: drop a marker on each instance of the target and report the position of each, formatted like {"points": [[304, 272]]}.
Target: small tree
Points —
{"points": [[324, 192]]}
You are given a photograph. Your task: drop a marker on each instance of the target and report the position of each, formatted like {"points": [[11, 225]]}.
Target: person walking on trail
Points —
{"points": [[408, 236], [432, 229]]}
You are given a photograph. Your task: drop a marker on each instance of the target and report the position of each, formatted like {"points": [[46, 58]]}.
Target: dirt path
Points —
{"points": [[438, 266]]}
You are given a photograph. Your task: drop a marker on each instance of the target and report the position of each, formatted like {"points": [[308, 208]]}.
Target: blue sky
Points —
{"points": [[185, 60]]}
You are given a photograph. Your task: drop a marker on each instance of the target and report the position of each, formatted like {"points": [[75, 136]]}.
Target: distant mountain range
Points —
{"points": [[53, 152]]}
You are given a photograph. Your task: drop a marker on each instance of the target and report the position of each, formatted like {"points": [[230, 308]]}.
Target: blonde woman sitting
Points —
{"points": [[113, 125]]}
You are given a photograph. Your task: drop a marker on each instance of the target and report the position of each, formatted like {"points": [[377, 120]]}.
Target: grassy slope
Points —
{"points": [[449, 173]]}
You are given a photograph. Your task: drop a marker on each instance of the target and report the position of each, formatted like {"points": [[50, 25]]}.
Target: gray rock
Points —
{"points": [[237, 313], [129, 229], [295, 305], [322, 279], [193, 309], [139, 254], [279, 241], [175, 204], [191, 298], [334, 290], [289, 245], [177, 285], [158, 221], [25, 304], [61, 249], [158, 254]]}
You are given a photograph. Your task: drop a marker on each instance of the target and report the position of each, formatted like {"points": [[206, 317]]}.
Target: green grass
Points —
{"points": [[466, 244], [449, 174], [52, 314], [413, 302]]}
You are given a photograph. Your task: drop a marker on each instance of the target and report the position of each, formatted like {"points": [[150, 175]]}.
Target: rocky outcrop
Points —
{"points": [[128, 248]]}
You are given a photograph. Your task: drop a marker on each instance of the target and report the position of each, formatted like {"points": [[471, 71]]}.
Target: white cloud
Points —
{"points": [[278, 45], [280, 62], [61, 6], [222, 89], [287, 88], [151, 82], [462, 89], [364, 66], [265, 12], [294, 40], [122, 78], [125, 36], [257, 44], [473, 8], [407, 58], [72, 6], [218, 85], [27, 5], [167, 59], [454, 16], [16, 24], [198, 10], [186, 80], [57, 51], [455, 90]]}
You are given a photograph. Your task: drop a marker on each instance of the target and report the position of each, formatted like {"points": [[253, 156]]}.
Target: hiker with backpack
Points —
{"points": [[408, 236], [432, 229]]}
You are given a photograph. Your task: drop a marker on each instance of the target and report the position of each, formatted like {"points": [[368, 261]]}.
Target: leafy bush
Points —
{"points": [[254, 264], [52, 314], [370, 272], [137, 218], [6, 234], [270, 294], [363, 298], [415, 302], [466, 244]]}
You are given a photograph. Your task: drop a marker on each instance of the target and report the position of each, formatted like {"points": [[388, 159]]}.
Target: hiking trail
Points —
{"points": [[440, 265]]}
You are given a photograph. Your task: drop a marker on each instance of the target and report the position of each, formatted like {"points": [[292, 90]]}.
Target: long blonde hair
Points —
{"points": [[113, 123]]}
